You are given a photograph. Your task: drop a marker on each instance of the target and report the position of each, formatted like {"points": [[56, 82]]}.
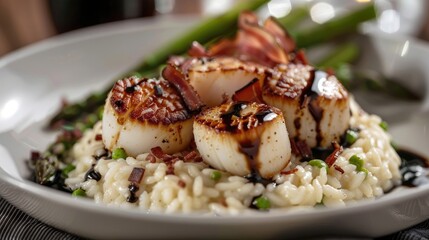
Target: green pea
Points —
{"points": [[100, 111], [79, 193], [358, 162], [119, 153], [216, 175], [262, 203], [70, 167], [351, 136], [318, 163], [364, 170], [384, 125]]}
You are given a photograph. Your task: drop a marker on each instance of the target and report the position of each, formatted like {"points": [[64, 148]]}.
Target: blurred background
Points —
{"points": [[23, 22]]}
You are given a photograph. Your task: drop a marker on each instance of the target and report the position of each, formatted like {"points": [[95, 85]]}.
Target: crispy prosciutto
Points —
{"points": [[267, 45], [252, 92], [190, 96]]}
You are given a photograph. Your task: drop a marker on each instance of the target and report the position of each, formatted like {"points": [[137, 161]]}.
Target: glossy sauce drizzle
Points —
{"points": [[234, 110], [249, 147], [313, 105], [92, 174]]}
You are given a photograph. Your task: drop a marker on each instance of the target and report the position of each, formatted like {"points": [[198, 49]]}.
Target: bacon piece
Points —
{"points": [[252, 92], [189, 96], [98, 137], [339, 169], [248, 49], [136, 175], [170, 169], [151, 158], [223, 47], [183, 63], [247, 19], [300, 57], [157, 152], [292, 171], [330, 160], [280, 34], [267, 46], [181, 183], [257, 37], [176, 60], [330, 71], [197, 50], [190, 156]]}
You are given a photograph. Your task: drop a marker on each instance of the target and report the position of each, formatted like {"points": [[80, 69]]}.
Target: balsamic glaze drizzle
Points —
{"points": [[92, 174], [133, 188], [413, 168]]}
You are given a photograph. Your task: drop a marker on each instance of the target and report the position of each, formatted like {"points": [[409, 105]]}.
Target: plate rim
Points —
{"points": [[90, 205]]}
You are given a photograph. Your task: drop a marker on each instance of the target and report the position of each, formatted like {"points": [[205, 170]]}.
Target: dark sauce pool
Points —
{"points": [[413, 168]]}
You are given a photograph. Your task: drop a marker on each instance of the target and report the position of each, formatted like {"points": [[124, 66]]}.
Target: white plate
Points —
{"points": [[34, 79]]}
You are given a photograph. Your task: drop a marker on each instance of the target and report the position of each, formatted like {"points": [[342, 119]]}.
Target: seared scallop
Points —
{"points": [[315, 105], [217, 79], [243, 138], [140, 114]]}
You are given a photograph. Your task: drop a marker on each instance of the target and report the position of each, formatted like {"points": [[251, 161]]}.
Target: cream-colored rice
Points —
{"points": [[308, 186]]}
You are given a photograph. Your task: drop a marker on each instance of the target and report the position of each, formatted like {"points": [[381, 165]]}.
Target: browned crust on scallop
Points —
{"points": [[296, 80], [290, 81], [221, 118], [225, 66], [147, 100]]}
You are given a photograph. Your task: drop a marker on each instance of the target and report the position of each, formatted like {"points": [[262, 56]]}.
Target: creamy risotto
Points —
{"points": [[187, 184]]}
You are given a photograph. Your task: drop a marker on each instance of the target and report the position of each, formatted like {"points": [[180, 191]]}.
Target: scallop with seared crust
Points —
{"points": [[315, 105], [243, 138], [141, 113]]}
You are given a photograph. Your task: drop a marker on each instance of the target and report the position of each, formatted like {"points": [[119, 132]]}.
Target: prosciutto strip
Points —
{"points": [[252, 92], [330, 160], [173, 75], [267, 45]]}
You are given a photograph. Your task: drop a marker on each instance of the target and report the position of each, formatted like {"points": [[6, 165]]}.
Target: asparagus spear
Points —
{"points": [[346, 53], [291, 20], [376, 82], [335, 27], [339, 60]]}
